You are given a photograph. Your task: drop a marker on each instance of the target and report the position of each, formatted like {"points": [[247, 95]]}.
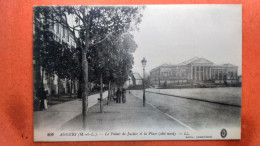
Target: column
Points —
{"points": [[214, 74], [199, 73], [210, 76], [206, 71], [218, 74], [203, 73], [191, 72], [195, 70], [209, 73]]}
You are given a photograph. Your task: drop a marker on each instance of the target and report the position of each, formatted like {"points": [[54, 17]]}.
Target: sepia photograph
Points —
{"points": [[137, 72]]}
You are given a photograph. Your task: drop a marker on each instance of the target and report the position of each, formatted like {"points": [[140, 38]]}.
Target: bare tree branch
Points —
{"points": [[107, 36]]}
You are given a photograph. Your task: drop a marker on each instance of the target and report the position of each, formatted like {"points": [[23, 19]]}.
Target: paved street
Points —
{"points": [[161, 113], [196, 114], [125, 116]]}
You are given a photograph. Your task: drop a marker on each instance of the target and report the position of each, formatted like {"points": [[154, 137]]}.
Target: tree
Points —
{"points": [[51, 55], [44, 46], [125, 61], [94, 25], [112, 62]]}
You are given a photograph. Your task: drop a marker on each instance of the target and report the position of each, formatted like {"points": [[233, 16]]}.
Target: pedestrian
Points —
{"points": [[79, 94], [41, 97], [118, 96], [45, 99], [123, 95], [114, 95]]}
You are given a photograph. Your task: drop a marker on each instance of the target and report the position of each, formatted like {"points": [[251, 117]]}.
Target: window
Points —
{"points": [[52, 25], [64, 30], [216, 74], [165, 74], [220, 75], [68, 36], [57, 26]]}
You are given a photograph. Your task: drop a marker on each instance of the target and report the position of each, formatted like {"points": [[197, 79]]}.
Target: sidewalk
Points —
{"points": [[54, 117], [124, 116]]}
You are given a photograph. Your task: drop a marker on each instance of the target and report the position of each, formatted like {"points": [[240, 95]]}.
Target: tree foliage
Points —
{"points": [[53, 56], [103, 36]]}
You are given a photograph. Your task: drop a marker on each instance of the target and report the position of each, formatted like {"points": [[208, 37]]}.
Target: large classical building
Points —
{"points": [[195, 70]]}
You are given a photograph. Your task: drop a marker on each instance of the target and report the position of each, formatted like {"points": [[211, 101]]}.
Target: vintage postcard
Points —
{"points": [[153, 72]]}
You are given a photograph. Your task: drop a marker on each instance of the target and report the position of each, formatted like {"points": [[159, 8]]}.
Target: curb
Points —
{"points": [[195, 99]]}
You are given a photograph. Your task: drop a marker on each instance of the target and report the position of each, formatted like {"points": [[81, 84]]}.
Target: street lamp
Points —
{"points": [[129, 84], [143, 64]]}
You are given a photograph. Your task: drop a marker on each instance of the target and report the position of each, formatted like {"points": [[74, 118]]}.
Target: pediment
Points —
{"points": [[196, 60], [201, 61]]}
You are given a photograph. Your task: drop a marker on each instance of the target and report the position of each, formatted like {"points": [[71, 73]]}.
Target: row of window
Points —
{"points": [[216, 75], [220, 75], [62, 33], [174, 74], [200, 68]]}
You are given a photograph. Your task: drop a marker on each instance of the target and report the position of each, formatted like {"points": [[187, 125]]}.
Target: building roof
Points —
{"points": [[165, 65], [229, 65], [196, 60], [225, 65], [137, 76], [189, 61]]}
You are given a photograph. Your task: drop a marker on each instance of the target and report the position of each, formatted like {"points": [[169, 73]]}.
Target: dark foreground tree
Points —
{"points": [[94, 25], [51, 56]]}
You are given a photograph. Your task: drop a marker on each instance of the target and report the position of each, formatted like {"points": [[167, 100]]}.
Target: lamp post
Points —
{"points": [[128, 83], [143, 64]]}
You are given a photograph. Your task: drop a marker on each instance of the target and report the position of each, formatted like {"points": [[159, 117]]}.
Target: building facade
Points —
{"points": [[137, 80], [195, 70], [52, 83]]}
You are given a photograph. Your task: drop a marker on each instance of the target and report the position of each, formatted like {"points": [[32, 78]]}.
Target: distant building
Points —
{"points": [[129, 82], [137, 80], [240, 79], [195, 70]]}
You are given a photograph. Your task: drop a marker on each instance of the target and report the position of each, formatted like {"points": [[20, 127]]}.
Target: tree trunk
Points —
{"points": [[74, 86], [101, 94], [58, 80], [85, 83], [42, 78], [109, 92], [70, 88]]}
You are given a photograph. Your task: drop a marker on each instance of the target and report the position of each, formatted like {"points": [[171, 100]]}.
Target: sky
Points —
{"points": [[175, 33]]}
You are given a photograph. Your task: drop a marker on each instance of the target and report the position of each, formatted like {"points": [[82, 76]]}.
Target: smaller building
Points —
{"points": [[137, 80], [129, 82]]}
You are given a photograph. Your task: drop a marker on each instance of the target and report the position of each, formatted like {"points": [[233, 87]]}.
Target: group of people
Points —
{"points": [[120, 96], [43, 99]]}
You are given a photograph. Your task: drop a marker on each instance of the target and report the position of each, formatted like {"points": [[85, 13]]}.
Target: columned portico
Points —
{"points": [[200, 72]]}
